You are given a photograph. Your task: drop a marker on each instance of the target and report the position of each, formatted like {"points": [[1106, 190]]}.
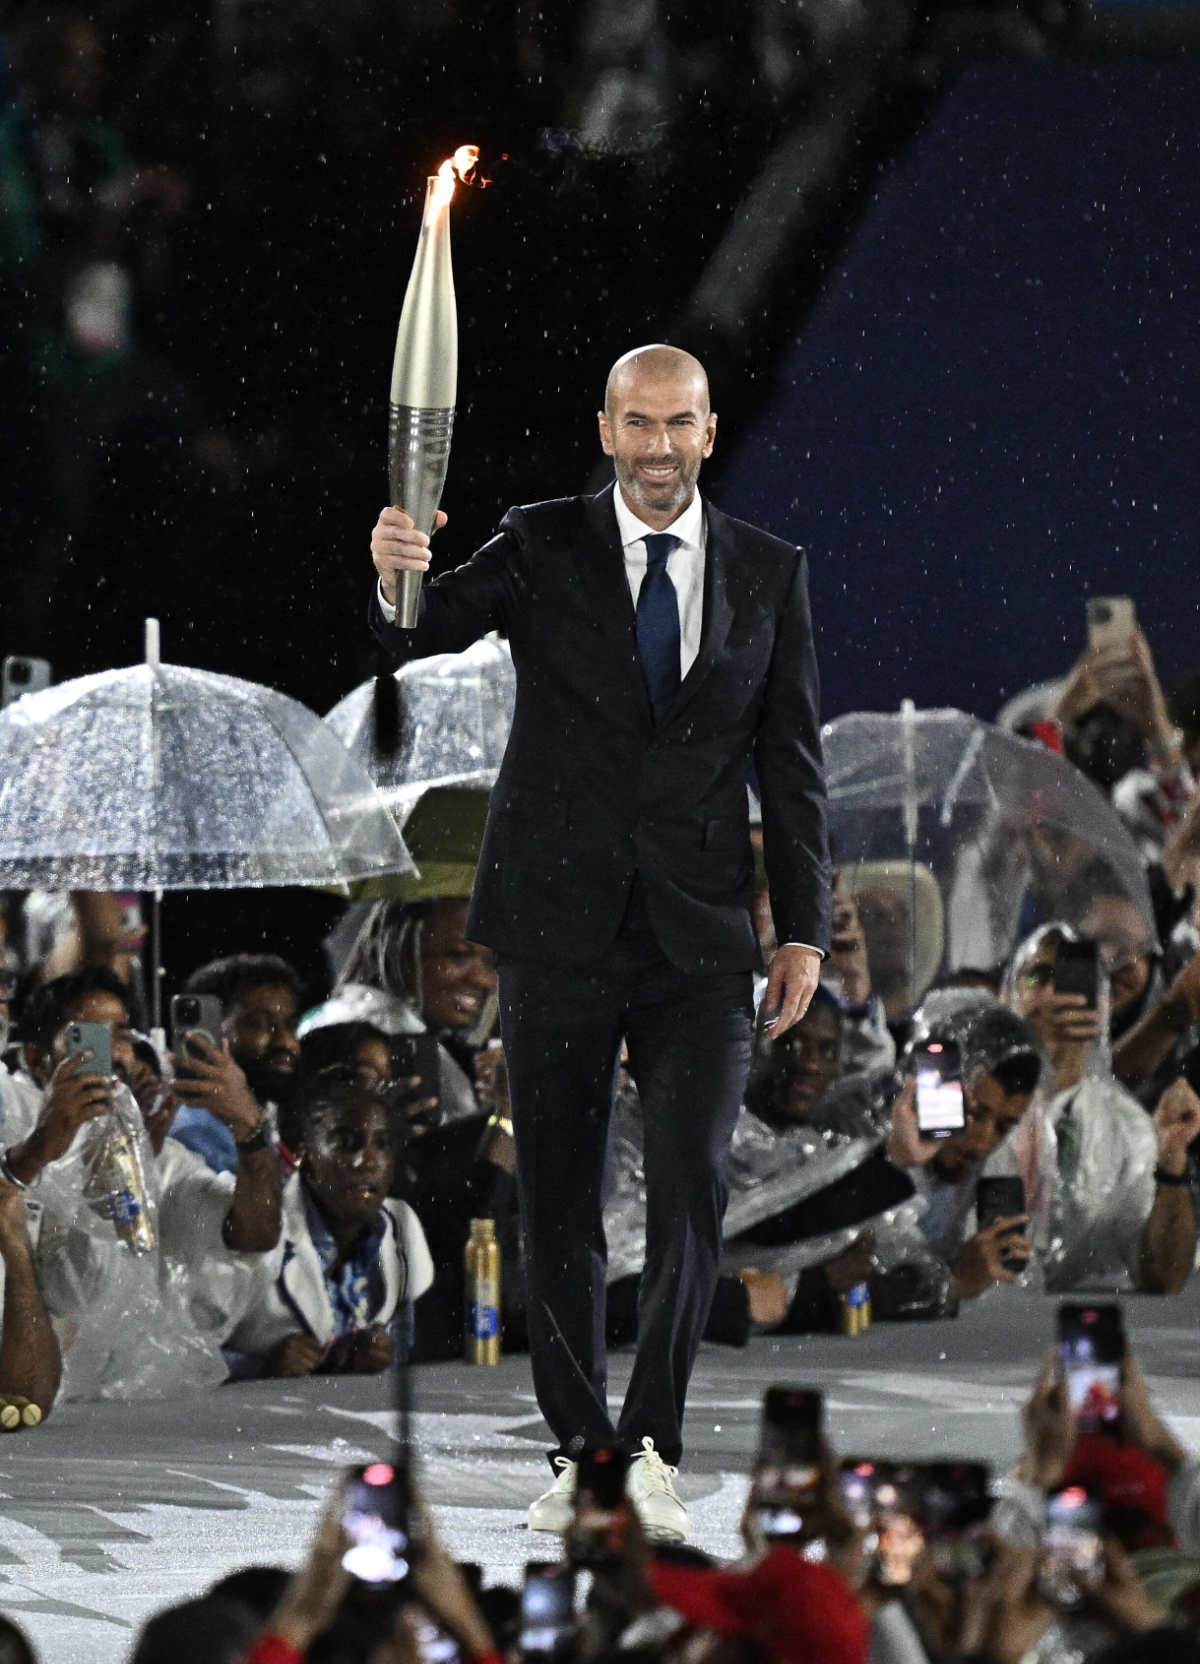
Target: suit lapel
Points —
{"points": [[603, 571], [719, 561]]}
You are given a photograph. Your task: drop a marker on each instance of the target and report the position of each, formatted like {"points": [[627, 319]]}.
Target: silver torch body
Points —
{"points": [[424, 386]]}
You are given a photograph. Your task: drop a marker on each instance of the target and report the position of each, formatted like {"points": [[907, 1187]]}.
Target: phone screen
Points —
{"points": [[937, 1070], [547, 1609], [1091, 1341], [999, 1196], [1072, 1558], [375, 1519], [599, 1531], [883, 1498], [786, 1495]]}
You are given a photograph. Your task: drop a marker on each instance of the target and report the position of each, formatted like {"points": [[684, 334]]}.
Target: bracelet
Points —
{"points": [[1179, 1179], [502, 1122], [10, 1177], [258, 1139]]}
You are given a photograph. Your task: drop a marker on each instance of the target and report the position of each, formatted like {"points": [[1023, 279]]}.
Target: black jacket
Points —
{"points": [[592, 790]]}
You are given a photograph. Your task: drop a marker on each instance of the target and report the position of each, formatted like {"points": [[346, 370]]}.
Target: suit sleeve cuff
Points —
{"points": [[807, 945], [385, 606]]}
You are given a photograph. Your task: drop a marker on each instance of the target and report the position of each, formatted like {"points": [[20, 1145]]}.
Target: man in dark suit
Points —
{"points": [[663, 652]]}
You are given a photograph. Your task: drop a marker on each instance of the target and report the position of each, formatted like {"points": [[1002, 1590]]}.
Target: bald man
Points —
{"points": [[663, 653]]}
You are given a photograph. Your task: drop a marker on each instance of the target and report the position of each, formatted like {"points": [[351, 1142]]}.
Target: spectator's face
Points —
{"points": [[991, 1113], [804, 1063], [1033, 983], [260, 1026], [98, 1007], [349, 1160], [373, 1063], [457, 975], [1125, 948], [658, 429]]}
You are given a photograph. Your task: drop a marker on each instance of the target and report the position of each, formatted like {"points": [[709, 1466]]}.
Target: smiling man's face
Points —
{"points": [[658, 429]]}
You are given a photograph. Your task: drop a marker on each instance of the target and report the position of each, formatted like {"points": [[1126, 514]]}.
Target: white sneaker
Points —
{"points": [[555, 1509], [651, 1488]]}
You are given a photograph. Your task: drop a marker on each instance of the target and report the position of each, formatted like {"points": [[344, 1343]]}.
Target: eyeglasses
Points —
{"points": [[1037, 976]]}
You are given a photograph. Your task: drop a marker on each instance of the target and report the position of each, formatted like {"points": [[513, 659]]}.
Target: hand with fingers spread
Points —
{"points": [[75, 1096], [397, 546], [791, 983]]}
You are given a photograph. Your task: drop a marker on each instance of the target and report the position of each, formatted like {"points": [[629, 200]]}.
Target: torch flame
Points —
{"points": [[462, 166]]}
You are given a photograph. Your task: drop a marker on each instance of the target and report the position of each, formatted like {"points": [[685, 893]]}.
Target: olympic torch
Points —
{"points": [[425, 373]]}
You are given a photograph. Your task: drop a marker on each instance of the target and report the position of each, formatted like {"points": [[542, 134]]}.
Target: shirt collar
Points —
{"points": [[688, 526], [366, 1245]]}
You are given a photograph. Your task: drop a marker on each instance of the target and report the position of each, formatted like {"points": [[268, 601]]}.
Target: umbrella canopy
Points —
{"points": [[1011, 832], [162, 778], [455, 713]]}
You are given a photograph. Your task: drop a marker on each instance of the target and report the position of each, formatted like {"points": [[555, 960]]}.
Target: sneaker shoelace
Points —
{"points": [[653, 1472]]}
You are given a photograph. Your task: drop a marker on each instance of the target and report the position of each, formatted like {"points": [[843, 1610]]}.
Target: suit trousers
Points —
{"points": [[688, 1038]]}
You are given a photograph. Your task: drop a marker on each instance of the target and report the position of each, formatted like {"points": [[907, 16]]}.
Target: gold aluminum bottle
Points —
{"points": [[481, 1263]]}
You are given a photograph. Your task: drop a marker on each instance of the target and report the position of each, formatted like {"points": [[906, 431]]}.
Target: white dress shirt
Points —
{"points": [[685, 568]]}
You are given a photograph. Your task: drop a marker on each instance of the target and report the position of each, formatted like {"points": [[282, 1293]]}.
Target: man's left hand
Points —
{"points": [[791, 983], [211, 1079]]}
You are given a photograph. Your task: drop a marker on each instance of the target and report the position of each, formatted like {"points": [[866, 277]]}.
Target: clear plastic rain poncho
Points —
{"points": [[120, 1305], [1095, 1156]]}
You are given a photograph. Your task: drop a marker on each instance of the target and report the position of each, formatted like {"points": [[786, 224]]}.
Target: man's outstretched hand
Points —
{"points": [[791, 983], [397, 546]]}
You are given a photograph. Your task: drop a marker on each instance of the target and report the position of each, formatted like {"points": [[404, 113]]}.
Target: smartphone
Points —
{"points": [[20, 675], [195, 1014], [883, 1499], [1077, 970], [955, 1507], [786, 1493], [375, 1518], [599, 1531], [1072, 1557], [95, 1038], [1111, 620], [1091, 1340], [1001, 1197], [547, 1609], [1190, 1068], [417, 1057], [937, 1070]]}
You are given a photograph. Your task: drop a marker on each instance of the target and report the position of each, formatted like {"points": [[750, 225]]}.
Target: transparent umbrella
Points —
{"points": [[159, 777], [955, 836], [455, 711]]}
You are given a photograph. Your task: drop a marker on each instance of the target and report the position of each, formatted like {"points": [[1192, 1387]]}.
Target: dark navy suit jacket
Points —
{"points": [[593, 789]]}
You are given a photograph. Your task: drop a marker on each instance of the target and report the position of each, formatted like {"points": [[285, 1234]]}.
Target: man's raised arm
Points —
{"points": [[458, 607]]}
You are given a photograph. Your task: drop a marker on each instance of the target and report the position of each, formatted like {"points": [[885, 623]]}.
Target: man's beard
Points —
{"points": [[269, 1084], [639, 492]]}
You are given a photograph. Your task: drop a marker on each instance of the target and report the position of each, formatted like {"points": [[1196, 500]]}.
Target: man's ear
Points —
{"points": [[605, 427]]}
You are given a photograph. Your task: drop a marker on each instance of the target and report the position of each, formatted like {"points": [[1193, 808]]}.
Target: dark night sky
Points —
{"points": [[994, 410]]}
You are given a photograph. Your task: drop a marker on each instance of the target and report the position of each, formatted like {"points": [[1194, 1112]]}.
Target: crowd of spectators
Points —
{"points": [[285, 1184], [288, 1191]]}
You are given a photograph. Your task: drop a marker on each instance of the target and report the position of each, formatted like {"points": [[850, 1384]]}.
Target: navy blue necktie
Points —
{"points": [[658, 621]]}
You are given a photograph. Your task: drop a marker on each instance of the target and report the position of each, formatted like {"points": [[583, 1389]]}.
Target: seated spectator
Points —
{"points": [[351, 1262], [210, 1227], [1000, 1072], [1123, 1209], [799, 1193], [412, 970], [260, 1004], [30, 1362]]}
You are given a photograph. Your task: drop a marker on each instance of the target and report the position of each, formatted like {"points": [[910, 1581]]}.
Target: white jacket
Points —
{"points": [[288, 1293]]}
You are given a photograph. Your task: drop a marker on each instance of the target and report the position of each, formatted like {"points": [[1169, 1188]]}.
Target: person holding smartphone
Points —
{"points": [[1123, 1204]]}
